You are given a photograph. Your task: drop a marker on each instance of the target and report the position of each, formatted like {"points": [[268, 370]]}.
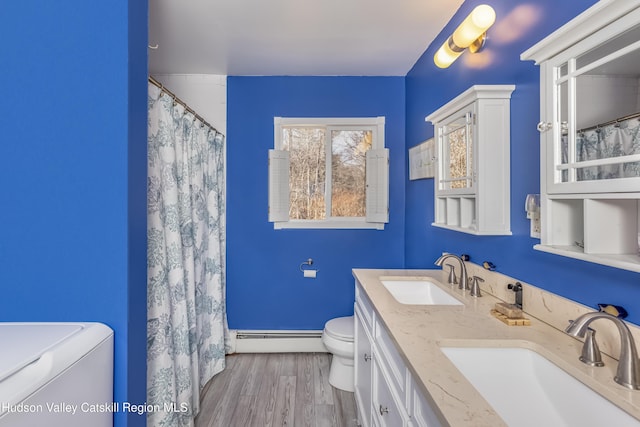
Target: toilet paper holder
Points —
{"points": [[307, 262]]}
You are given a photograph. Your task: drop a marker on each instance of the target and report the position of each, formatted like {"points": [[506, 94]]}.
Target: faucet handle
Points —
{"points": [[475, 286], [452, 275], [590, 351]]}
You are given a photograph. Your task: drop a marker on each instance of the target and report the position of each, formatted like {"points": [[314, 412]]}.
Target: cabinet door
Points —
{"points": [[388, 357], [363, 369], [592, 113], [387, 409], [422, 413], [455, 153]]}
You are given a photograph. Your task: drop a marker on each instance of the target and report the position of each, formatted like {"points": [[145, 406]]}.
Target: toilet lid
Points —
{"points": [[341, 328]]}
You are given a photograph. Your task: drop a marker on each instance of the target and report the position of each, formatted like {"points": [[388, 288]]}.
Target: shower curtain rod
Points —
{"points": [[181, 102], [611, 122]]}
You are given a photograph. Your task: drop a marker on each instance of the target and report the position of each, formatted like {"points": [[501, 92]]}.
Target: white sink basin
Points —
{"points": [[526, 389], [418, 292]]}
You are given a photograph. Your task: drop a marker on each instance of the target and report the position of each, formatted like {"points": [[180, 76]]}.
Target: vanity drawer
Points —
{"points": [[391, 359], [365, 306]]}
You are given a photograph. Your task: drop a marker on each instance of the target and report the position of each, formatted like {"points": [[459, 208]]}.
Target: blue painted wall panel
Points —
{"points": [[265, 288], [519, 25], [134, 351], [73, 174]]}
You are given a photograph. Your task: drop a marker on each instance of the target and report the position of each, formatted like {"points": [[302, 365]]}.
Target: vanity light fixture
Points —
{"points": [[470, 34]]}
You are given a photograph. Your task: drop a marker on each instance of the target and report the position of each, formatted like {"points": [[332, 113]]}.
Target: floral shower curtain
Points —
{"points": [[186, 318], [604, 142]]}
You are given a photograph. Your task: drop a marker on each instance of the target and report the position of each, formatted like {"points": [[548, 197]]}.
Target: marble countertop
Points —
{"points": [[420, 330]]}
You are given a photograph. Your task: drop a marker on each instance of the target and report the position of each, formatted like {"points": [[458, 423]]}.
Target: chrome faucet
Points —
{"points": [[628, 373], [464, 280]]}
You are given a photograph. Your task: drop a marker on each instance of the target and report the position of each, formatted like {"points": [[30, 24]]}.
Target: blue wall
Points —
{"points": [[73, 156], [73, 79], [428, 88], [265, 288]]}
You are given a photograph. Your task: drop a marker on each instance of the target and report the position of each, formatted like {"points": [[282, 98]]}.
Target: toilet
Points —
{"points": [[337, 337]]}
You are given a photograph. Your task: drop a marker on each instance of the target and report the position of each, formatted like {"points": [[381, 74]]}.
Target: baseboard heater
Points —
{"points": [[243, 335], [259, 341]]}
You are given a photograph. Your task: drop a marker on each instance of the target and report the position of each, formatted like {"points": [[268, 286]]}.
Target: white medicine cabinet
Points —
{"points": [[472, 179], [590, 135]]}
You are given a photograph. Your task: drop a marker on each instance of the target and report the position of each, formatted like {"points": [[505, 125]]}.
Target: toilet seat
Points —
{"points": [[340, 328]]}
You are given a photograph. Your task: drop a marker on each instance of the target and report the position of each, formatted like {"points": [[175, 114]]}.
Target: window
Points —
{"points": [[328, 173]]}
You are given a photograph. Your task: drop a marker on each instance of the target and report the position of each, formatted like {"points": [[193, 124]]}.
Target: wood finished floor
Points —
{"points": [[280, 389]]}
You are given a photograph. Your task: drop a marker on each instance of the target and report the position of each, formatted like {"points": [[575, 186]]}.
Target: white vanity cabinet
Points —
{"points": [[590, 135], [385, 391], [472, 179], [363, 367]]}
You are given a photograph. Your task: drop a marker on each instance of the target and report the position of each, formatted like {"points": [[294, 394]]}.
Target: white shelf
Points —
{"points": [[453, 211], [629, 262], [610, 226], [606, 228], [472, 231]]}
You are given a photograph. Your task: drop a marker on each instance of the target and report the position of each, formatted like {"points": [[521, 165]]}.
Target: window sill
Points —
{"points": [[353, 224]]}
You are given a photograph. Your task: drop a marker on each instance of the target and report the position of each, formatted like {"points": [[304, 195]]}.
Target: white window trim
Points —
{"points": [[334, 223], [378, 200]]}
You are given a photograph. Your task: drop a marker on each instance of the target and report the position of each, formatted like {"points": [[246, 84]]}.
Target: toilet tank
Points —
{"points": [[56, 375]]}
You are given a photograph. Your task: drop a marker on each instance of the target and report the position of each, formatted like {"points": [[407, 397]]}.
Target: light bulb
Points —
{"points": [[471, 29], [476, 24], [445, 56]]}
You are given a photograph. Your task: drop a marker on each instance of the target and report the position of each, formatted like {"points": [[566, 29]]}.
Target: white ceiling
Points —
{"points": [[293, 37]]}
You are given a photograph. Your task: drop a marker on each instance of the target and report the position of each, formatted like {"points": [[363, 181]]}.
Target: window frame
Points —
{"points": [[377, 126]]}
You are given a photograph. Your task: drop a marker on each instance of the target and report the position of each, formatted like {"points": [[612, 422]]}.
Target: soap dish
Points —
{"points": [[512, 311], [523, 321]]}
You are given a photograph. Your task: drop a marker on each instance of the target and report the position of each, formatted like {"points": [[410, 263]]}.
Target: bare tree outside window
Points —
{"points": [[308, 169], [348, 179]]}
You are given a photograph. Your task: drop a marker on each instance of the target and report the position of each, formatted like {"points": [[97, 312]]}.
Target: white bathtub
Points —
{"points": [[56, 374]]}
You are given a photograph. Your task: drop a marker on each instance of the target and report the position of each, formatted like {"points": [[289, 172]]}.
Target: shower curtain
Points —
{"points": [[186, 318], [603, 142]]}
